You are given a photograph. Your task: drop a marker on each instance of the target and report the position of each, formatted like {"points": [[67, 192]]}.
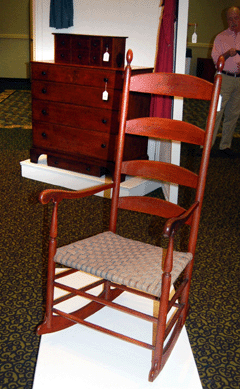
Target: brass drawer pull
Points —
{"points": [[44, 135], [44, 112], [104, 121], [44, 90], [103, 146]]}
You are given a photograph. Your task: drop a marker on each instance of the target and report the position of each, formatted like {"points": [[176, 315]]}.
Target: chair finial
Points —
{"points": [[129, 56], [220, 64]]}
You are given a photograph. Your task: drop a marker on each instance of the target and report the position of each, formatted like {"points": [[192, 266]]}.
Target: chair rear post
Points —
{"points": [[121, 137], [202, 180], [205, 162]]}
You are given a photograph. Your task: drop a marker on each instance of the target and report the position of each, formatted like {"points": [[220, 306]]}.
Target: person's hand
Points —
{"points": [[232, 52]]}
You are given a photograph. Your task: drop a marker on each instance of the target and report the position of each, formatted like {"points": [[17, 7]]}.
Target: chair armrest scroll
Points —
{"points": [[173, 224], [57, 195]]}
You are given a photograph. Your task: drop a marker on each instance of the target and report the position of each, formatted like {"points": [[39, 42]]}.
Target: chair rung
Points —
{"points": [[173, 320], [102, 329], [177, 294], [72, 294], [135, 291], [65, 273], [107, 303]]}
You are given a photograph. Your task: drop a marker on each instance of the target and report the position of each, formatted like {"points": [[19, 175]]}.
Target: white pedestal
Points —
{"points": [[42, 172], [79, 357]]}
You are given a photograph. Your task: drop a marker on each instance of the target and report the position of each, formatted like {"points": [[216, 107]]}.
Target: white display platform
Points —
{"points": [[76, 181], [79, 357]]}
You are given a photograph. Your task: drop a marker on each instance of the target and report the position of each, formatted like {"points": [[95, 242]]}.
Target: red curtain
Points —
{"points": [[161, 105]]}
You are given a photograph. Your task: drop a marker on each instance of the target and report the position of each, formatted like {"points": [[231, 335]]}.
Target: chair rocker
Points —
{"points": [[123, 264]]}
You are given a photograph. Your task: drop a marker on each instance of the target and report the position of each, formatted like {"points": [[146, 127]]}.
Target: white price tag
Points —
{"points": [[194, 37], [106, 56], [219, 103], [105, 95]]}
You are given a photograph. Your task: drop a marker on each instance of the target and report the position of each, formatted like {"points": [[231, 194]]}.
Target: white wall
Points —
{"points": [[136, 19]]}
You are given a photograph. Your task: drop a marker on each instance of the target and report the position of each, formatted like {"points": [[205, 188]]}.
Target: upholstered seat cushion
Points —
{"points": [[121, 260]]}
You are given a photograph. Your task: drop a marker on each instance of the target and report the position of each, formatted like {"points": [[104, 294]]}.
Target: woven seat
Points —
{"points": [[121, 264], [124, 261]]}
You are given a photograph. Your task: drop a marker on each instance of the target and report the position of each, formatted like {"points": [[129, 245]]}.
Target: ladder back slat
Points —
{"points": [[172, 84], [162, 128], [151, 205], [161, 171]]}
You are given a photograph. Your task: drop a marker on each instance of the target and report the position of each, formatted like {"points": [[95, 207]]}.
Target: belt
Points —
{"points": [[231, 74]]}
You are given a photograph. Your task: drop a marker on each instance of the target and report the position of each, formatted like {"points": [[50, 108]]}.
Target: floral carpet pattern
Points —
{"points": [[213, 322]]}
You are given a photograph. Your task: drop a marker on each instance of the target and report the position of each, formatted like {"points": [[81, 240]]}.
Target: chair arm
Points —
{"points": [[57, 195], [172, 225]]}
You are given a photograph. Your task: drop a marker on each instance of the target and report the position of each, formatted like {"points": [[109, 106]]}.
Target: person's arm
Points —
{"points": [[230, 53], [217, 50]]}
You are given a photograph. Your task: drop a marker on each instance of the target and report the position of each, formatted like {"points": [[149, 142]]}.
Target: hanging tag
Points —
{"points": [[105, 95], [219, 103], [106, 55], [194, 35]]}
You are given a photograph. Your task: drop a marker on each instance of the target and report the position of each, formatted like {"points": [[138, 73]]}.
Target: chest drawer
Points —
{"points": [[76, 94], [79, 42], [79, 142], [85, 76], [62, 42], [87, 118]]}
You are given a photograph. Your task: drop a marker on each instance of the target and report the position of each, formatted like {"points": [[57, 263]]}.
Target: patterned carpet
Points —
{"points": [[15, 109], [213, 322]]}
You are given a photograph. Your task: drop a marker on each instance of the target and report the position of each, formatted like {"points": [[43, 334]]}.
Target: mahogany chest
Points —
{"points": [[74, 124]]}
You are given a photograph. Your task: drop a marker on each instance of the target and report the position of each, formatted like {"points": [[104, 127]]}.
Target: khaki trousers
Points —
{"points": [[230, 92]]}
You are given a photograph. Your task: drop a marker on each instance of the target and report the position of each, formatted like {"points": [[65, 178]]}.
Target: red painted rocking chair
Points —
{"points": [[127, 265]]}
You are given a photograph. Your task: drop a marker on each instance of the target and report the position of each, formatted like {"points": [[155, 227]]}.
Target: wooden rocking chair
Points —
{"points": [[123, 264]]}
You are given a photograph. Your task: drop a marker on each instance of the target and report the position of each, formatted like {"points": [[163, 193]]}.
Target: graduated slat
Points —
{"points": [[161, 171], [169, 84], [151, 205], [163, 128]]}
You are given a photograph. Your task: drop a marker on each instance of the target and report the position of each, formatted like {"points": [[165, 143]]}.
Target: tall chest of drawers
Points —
{"points": [[73, 124]]}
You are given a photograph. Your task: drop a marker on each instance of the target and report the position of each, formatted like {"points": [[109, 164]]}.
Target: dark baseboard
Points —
{"points": [[15, 83]]}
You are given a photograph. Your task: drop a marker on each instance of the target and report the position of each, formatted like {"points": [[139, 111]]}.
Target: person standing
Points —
{"points": [[227, 43]]}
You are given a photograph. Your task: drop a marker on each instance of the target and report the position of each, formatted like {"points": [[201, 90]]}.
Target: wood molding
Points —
{"points": [[14, 36], [200, 45]]}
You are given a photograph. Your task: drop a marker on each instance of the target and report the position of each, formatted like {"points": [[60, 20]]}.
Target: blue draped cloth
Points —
{"points": [[61, 13]]}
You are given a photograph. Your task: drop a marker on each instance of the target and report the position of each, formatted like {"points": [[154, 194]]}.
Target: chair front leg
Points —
{"points": [[161, 327], [47, 323]]}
